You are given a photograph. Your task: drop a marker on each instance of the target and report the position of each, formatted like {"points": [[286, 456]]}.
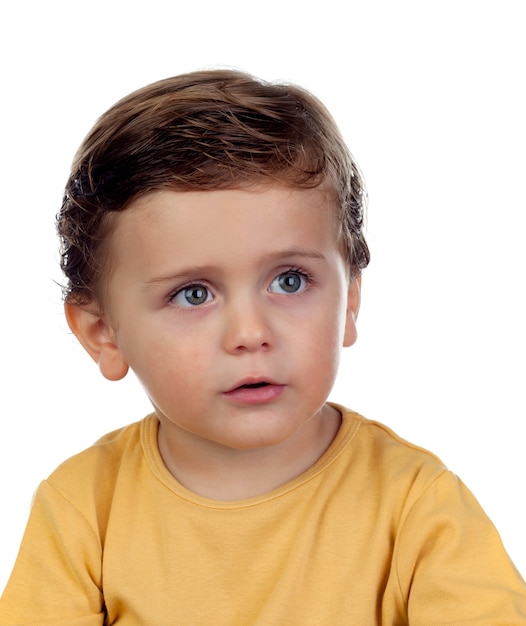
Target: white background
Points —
{"points": [[430, 96]]}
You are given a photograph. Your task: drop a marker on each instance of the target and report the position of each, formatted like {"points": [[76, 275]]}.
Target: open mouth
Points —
{"points": [[256, 392], [253, 385]]}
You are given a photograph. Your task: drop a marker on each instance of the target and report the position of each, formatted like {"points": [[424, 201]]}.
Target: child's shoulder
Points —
{"points": [[382, 437], [377, 452], [101, 463], [81, 490]]}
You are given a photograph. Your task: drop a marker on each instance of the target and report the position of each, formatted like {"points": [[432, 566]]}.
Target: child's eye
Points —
{"points": [[192, 295], [289, 282]]}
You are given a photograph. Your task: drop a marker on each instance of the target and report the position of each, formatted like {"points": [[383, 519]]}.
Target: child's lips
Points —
{"points": [[255, 391]]}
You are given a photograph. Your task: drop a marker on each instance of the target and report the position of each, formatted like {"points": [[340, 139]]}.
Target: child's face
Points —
{"points": [[212, 291]]}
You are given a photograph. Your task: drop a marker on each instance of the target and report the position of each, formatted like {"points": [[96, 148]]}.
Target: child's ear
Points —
{"points": [[353, 306], [98, 339]]}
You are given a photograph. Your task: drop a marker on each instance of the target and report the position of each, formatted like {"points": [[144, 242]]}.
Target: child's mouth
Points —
{"points": [[259, 392], [253, 385]]}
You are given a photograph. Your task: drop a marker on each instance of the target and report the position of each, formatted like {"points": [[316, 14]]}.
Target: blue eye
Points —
{"points": [[289, 282], [191, 296]]}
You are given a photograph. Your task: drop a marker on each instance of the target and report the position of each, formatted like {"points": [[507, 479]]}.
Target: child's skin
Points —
{"points": [[197, 308]]}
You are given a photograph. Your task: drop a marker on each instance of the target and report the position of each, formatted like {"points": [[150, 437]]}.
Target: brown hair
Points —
{"points": [[212, 129]]}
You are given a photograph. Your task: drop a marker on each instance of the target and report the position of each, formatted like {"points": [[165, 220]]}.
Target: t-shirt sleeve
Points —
{"points": [[57, 576], [451, 565]]}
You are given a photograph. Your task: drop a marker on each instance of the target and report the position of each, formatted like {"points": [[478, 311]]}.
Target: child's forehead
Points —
{"points": [[261, 217], [268, 200]]}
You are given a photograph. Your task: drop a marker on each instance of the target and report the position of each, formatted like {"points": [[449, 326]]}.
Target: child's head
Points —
{"points": [[207, 130]]}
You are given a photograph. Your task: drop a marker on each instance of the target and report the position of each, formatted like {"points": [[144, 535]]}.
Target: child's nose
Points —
{"points": [[247, 325]]}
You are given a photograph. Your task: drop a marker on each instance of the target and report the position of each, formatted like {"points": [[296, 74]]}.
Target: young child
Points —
{"points": [[212, 242]]}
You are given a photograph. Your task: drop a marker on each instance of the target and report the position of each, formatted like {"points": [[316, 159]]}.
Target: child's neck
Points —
{"points": [[226, 474]]}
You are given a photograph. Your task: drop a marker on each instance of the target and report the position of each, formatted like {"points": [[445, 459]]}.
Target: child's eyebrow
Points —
{"points": [[184, 274], [194, 271], [295, 253]]}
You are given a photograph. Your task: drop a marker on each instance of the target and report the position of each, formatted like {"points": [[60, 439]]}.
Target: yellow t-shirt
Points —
{"points": [[377, 532]]}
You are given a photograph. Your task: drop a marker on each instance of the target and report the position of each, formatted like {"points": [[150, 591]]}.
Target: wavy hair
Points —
{"points": [[211, 129]]}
